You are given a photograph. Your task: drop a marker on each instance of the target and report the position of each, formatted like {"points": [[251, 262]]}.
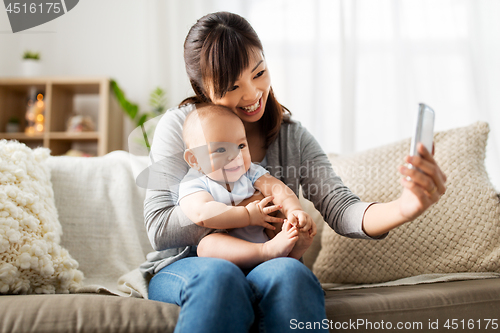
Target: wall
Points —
{"points": [[113, 38], [139, 43]]}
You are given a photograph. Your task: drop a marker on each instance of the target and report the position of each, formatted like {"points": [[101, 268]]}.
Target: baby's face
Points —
{"points": [[226, 156]]}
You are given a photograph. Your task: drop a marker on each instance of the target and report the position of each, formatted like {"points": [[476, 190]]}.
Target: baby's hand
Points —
{"points": [[302, 221], [259, 213]]}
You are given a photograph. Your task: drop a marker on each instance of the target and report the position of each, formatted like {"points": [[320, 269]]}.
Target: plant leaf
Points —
{"points": [[158, 101], [142, 119], [130, 109]]}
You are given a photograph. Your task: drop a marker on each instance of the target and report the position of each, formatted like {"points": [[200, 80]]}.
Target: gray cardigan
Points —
{"points": [[295, 158]]}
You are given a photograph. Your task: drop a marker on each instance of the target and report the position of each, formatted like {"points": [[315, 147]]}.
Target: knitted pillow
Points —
{"points": [[460, 233], [31, 259]]}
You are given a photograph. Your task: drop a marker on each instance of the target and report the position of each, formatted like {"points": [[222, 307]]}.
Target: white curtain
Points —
{"points": [[354, 71]]}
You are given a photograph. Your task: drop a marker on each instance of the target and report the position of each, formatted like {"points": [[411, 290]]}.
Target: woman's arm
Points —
{"points": [[342, 209], [284, 197], [167, 226], [296, 158], [425, 189]]}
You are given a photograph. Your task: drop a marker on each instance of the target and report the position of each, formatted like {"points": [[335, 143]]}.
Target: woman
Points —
{"points": [[226, 65]]}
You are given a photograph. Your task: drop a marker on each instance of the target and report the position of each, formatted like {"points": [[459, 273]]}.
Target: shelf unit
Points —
{"points": [[59, 97]]}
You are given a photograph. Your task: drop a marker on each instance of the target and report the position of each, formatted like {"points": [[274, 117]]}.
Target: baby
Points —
{"points": [[221, 176]]}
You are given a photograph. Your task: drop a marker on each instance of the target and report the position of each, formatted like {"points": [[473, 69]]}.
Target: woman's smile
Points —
{"points": [[252, 112], [252, 109]]}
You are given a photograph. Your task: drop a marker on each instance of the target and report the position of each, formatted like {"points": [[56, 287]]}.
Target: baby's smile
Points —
{"points": [[233, 169]]}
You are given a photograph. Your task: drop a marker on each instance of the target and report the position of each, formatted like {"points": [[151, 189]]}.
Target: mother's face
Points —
{"points": [[248, 97]]}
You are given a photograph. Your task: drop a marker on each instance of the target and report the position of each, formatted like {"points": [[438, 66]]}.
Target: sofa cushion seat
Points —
{"points": [[85, 313], [461, 300]]}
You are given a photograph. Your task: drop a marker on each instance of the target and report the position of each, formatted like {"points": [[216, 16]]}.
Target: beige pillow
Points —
{"points": [[460, 233], [31, 259]]}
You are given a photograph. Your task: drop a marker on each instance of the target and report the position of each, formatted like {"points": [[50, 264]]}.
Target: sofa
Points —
{"points": [[425, 276]]}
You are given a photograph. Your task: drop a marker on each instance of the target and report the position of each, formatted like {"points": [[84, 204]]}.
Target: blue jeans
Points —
{"points": [[216, 296]]}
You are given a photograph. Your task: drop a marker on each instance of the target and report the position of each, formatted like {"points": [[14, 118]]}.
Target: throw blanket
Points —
{"points": [[101, 211]]}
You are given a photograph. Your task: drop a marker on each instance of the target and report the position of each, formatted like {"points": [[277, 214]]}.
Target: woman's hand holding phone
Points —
{"points": [[423, 180]]}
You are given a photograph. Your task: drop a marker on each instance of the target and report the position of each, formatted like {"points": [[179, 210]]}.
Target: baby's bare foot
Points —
{"points": [[281, 244], [304, 241]]}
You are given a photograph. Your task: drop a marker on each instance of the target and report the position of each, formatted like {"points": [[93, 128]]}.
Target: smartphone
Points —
{"points": [[424, 130]]}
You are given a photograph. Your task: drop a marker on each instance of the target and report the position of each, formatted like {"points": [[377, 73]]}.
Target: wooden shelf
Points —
{"points": [[21, 136], [59, 98], [74, 135]]}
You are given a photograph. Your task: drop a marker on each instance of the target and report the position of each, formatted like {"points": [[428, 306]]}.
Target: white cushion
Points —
{"points": [[32, 260]]}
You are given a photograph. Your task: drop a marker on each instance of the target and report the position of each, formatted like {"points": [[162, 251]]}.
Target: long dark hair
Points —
{"points": [[216, 51]]}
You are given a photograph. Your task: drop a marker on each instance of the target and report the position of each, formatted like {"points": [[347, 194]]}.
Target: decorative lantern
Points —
{"points": [[35, 115]]}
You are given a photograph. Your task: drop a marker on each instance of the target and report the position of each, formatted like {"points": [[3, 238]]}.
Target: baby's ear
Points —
{"points": [[190, 159]]}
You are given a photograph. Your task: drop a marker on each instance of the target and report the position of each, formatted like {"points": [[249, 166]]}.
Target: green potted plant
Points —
{"points": [[13, 125], [143, 134], [31, 65]]}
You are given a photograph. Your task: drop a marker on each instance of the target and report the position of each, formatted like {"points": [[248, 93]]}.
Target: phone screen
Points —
{"points": [[424, 129]]}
